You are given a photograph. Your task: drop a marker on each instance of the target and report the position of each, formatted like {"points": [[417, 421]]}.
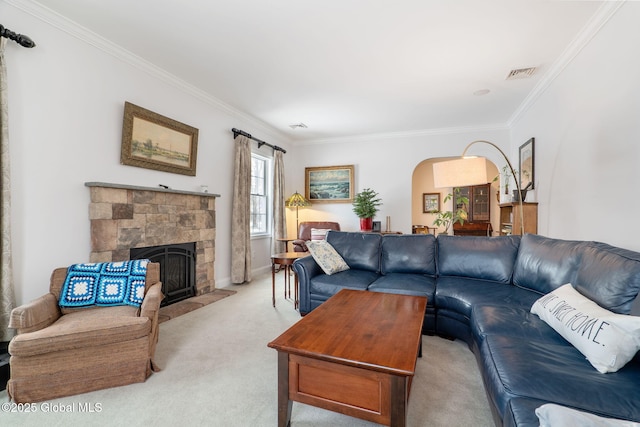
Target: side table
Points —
{"points": [[285, 259]]}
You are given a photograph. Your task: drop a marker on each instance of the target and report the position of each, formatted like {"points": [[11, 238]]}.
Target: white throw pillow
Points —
{"points": [[326, 257], [608, 340], [552, 415], [319, 233]]}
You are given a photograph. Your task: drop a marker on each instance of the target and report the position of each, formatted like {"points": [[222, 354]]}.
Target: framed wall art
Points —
{"points": [[527, 165], [153, 141], [329, 184], [430, 202]]}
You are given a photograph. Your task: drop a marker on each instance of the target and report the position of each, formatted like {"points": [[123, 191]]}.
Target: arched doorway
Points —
{"points": [[422, 183]]}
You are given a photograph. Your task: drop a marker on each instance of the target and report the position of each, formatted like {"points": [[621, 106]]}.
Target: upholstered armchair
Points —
{"points": [[305, 229], [61, 351]]}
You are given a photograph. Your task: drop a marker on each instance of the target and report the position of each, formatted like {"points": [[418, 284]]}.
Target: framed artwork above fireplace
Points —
{"points": [[153, 141]]}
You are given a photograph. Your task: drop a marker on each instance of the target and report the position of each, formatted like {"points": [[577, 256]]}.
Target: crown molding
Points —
{"points": [[591, 28], [402, 134], [81, 33]]}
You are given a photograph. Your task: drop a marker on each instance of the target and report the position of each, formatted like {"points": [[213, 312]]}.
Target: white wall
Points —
{"points": [[386, 165], [587, 130], [66, 101]]}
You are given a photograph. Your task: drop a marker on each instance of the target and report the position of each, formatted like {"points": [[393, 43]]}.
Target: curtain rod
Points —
{"points": [[19, 38], [237, 132]]}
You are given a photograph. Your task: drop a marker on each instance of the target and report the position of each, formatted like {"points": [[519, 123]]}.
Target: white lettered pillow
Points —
{"points": [[326, 257], [608, 340], [551, 415]]}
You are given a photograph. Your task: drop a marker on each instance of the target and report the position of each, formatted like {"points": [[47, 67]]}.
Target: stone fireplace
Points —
{"points": [[124, 217]]}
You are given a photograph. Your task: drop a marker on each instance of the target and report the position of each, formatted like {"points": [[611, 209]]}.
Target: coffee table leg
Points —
{"points": [[284, 404], [398, 401]]}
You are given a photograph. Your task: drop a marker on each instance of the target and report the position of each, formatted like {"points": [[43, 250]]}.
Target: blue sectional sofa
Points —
{"points": [[480, 290]]}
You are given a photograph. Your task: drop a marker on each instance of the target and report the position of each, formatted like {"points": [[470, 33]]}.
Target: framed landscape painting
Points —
{"points": [[329, 184], [153, 141]]}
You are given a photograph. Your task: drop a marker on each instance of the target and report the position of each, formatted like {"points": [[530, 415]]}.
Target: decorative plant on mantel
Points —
{"points": [[447, 218], [365, 206]]}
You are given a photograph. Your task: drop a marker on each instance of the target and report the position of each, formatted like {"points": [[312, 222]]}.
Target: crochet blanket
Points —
{"points": [[104, 284]]}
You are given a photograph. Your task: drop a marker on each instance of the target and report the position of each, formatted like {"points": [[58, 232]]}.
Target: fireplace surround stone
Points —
{"points": [[126, 216]]}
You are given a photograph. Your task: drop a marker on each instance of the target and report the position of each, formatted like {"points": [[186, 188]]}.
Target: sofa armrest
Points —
{"points": [[36, 315], [151, 303], [150, 309], [299, 245], [306, 268]]}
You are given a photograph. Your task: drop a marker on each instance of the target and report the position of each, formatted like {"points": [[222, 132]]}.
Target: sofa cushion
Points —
{"points": [[361, 251], [348, 279], [406, 284], [521, 412], [462, 294], [84, 328], [608, 340], [520, 367], [487, 258], [408, 253], [326, 257], [544, 264], [510, 321], [609, 276]]}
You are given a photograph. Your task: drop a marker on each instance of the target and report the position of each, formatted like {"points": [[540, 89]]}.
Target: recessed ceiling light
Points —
{"points": [[481, 92], [298, 125]]}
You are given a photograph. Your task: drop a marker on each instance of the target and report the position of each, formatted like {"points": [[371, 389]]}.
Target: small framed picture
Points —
{"points": [[527, 165], [430, 202]]}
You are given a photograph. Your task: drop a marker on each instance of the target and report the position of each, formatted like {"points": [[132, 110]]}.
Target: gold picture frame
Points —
{"points": [[329, 184], [153, 141], [430, 202]]}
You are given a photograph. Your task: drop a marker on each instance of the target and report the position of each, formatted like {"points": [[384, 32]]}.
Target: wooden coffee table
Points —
{"points": [[355, 354]]}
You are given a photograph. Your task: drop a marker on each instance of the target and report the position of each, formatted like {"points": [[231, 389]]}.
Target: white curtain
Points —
{"points": [[279, 217], [241, 212], [7, 300]]}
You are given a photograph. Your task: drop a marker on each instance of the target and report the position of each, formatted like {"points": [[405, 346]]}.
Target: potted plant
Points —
{"points": [[447, 218], [365, 206]]}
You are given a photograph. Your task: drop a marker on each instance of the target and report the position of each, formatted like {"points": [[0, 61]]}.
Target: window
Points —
{"points": [[260, 194]]}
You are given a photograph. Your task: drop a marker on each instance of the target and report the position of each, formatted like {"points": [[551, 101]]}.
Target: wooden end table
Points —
{"points": [[285, 259], [355, 354]]}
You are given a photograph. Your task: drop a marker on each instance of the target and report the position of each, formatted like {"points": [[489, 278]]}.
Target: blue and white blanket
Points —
{"points": [[104, 284]]}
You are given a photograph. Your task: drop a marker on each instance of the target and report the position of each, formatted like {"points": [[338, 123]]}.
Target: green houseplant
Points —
{"points": [[365, 206], [447, 218]]}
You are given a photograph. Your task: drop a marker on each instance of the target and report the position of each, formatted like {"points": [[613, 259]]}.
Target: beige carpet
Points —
{"points": [[218, 371]]}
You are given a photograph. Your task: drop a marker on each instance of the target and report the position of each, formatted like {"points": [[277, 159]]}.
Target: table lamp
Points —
{"points": [[297, 201]]}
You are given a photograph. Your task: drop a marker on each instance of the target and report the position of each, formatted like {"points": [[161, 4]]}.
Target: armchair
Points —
{"points": [[62, 351], [304, 232]]}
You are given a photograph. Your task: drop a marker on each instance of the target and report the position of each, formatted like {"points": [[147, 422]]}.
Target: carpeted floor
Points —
{"points": [[218, 371]]}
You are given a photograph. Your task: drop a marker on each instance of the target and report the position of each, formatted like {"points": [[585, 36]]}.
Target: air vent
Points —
{"points": [[521, 73], [298, 125]]}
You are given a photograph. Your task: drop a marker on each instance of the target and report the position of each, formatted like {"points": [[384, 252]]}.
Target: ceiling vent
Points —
{"points": [[521, 73], [298, 125]]}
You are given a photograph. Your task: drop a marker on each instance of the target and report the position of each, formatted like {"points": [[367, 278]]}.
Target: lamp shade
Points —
{"points": [[460, 172], [297, 200]]}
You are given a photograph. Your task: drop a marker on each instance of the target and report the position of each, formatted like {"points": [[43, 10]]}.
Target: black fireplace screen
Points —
{"points": [[177, 269]]}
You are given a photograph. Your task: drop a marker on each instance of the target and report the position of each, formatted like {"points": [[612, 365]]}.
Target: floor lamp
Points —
{"points": [[471, 170], [297, 201]]}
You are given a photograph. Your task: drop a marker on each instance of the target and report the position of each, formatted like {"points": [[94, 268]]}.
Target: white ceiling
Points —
{"points": [[348, 67]]}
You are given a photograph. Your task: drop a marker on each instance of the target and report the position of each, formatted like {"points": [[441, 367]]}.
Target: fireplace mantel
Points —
{"points": [[127, 216], [136, 187]]}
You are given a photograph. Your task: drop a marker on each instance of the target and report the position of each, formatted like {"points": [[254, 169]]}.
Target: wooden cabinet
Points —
{"points": [[478, 210], [510, 218]]}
